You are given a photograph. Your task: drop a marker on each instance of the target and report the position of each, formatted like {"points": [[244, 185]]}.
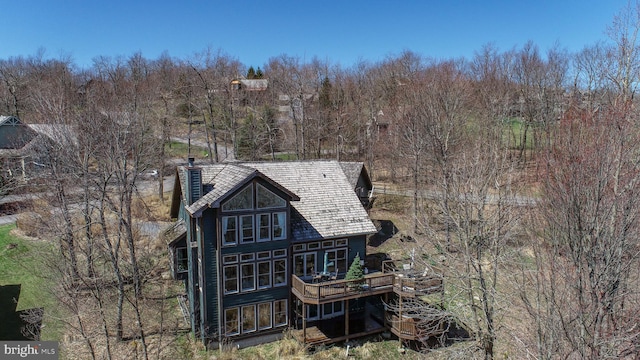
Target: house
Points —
{"points": [[264, 246]]}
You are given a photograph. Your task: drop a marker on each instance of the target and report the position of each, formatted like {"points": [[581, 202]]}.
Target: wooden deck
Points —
{"points": [[411, 329], [337, 290], [318, 335]]}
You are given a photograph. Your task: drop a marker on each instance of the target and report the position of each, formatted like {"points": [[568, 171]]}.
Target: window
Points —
{"points": [[264, 227], [279, 226], [232, 321], [267, 199], [279, 253], [313, 246], [341, 242], [248, 318], [264, 255], [242, 201], [330, 310], [299, 247], [229, 230], [264, 316], [280, 272], [248, 277], [264, 274], [230, 259], [327, 244], [305, 264], [247, 257], [246, 224], [280, 313], [337, 260], [182, 262], [312, 312], [231, 279]]}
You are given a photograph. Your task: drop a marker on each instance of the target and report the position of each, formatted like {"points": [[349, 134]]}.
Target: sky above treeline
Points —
{"points": [[341, 32]]}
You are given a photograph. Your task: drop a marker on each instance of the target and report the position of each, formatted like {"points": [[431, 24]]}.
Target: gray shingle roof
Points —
{"points": [[328, 206]]}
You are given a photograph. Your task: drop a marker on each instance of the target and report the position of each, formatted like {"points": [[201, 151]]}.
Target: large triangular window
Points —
{"points": [[266, 199], [242, 201]]}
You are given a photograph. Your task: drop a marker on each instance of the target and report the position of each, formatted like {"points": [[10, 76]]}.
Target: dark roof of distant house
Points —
{"points": [[327, 207]]}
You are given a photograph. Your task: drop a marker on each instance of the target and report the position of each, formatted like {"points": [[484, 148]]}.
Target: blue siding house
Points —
{"points": [[247, 233]]}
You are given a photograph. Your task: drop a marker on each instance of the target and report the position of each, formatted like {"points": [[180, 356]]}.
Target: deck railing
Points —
{"points": [[415, 329], [408, 282], [336, 289]]}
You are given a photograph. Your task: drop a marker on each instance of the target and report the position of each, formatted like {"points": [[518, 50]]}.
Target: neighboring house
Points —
{"points": [[263, 247], [22, 145]]}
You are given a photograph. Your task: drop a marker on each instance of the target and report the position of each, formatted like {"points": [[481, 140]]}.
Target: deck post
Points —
{"points": [[304, 323], [346, 318]]}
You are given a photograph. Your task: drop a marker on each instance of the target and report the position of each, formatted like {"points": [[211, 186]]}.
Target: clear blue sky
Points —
{"points": [[340, 31]]}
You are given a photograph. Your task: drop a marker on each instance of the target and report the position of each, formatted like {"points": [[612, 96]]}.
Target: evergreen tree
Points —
{"points": [[355, 271], [251, 73], [259, 73]]}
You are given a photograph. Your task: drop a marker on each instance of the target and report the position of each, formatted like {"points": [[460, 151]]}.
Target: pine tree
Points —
{"points": [[355, 272], [251, 73]]}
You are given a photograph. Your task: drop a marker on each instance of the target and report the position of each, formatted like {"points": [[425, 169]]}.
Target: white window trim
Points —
{"points": [[259, 227], [255, 319], [284, 253], [269, 207], [226, 322], [241, 229], [271, 309], [224, 231], [242, 277], [273, 271], [224, 279], [333, 312], [268, 274], [282, 225], [286, 313]]}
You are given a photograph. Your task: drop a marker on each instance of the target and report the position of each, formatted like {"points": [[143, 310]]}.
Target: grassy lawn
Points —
{"points": [[20, 265], [180, 150], [513, 132]]}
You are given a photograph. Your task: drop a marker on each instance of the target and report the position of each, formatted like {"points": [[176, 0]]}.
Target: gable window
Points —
{"points": [[248, 318], [266, 199], [246, 224], [264, 227], [264, 316], [248, 276], [241, 201], [231, 279], [279, 226], [232, 321], [229, 230], [280, 312], [264, 274]]}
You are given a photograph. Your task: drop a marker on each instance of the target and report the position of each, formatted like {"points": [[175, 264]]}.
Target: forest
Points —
{"points": [[520, 169]]}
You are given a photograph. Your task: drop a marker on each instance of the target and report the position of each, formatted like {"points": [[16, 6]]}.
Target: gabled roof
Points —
{"points": [[353, 171], [226, 178], [327, 208]]}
